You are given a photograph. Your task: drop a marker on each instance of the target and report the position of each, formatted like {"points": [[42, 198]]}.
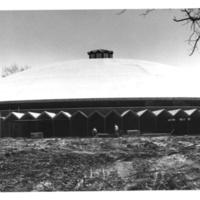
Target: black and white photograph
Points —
{"points": [[99, 99]]}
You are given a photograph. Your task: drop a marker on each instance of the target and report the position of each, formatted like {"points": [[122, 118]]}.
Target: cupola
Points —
{"points": [[100, 53]]}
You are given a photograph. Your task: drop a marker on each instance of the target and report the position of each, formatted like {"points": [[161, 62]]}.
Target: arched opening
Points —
{"points": [[146, 121], [62, 124], [112, 119], [130, 121], [96, 120], [79, 127]]}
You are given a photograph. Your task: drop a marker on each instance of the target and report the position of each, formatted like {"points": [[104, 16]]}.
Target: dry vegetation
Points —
{"points": [[12, 69], [160, 163]]}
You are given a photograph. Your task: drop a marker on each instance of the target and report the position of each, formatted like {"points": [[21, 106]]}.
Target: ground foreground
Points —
{"points": [[159, 163]]}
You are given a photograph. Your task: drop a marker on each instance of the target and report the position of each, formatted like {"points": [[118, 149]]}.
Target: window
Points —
{"points": [[99, 55], [105, 55], [92, 55], [182, 119]]}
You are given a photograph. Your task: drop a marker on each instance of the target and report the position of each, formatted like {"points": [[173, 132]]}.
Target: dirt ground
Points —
{"points": [[96, 164]]}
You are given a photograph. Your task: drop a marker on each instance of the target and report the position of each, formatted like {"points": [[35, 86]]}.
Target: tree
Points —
{"points": [[14, 68], [191, 16]]}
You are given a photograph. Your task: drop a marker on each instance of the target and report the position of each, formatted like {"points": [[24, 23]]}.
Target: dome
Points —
{"points": [[98, 78], [34, 100]]}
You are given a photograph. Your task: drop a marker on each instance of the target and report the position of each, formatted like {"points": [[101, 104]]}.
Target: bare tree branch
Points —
{"points": [[180, 20], [191, 17], [147, 12], [195, 45], [123, 11]]}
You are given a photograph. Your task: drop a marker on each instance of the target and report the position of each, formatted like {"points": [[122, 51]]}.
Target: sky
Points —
{"points": [[41, 37]]}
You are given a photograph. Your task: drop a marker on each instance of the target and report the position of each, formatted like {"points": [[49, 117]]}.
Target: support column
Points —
{"points": [[188, 132], [53, 131], [156, 125], [0, 126], [139, 123]]}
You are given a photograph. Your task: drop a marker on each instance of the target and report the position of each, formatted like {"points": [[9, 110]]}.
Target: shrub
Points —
{"points": [[12, 69]]}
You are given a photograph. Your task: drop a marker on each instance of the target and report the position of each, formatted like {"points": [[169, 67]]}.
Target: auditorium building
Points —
{"points": [[71, 98]]}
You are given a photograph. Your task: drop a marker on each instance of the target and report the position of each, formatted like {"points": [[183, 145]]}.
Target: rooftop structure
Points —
{"points": [[100, 53]]}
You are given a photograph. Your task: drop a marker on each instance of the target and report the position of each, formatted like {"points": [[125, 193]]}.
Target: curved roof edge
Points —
{"points": [[103, 99]]}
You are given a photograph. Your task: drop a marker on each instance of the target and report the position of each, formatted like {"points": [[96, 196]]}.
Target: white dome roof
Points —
{"points": [[99, 78]]}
